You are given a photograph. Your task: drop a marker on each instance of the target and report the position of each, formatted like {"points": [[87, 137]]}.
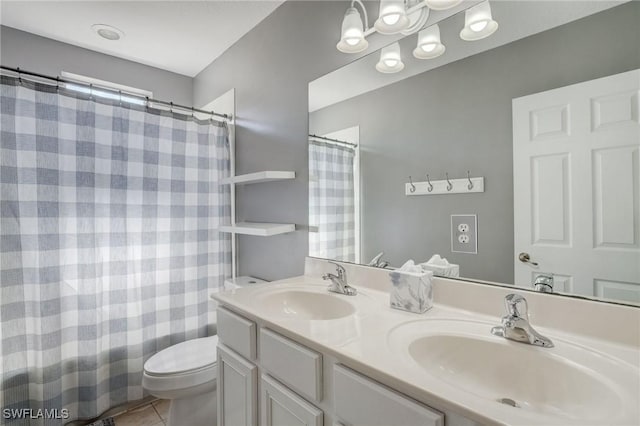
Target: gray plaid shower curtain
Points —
{"points": [[109, 245], [331, 201]]}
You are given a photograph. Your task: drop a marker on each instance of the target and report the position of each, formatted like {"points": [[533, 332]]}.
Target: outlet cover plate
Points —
{"points": [[470, 220]]}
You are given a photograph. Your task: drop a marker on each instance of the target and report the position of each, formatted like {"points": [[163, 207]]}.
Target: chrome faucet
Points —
{"points": [[543, 283], [377, 261], [339, 281], [515, 325]]}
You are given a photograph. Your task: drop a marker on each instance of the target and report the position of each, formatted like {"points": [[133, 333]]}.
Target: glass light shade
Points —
{"points": [[478, 22], [392, 18], [352, 36], [429, 44], [442, 4], [390, 59]]}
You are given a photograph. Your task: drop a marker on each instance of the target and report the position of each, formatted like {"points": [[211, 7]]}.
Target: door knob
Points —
{"points": [[525, 258]]}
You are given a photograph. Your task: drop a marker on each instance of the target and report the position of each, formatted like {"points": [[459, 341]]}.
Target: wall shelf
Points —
{"points": [[257, 177], [258, 228]]}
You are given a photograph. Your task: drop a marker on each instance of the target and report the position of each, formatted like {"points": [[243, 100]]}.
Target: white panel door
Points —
{"points": [[237, 389], [576, 160]]}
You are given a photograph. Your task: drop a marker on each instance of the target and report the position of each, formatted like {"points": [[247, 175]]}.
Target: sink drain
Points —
{"points": [[508, 401]]}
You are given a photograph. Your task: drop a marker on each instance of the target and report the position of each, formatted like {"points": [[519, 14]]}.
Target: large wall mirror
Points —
{"points": [[530, 139]]}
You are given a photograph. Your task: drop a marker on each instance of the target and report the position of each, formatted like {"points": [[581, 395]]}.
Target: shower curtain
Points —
{"points": [[331, 201], [109, 245]]}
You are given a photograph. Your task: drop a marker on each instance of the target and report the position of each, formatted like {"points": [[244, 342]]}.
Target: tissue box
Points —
{"points": [[411, 292], [449, 271]]}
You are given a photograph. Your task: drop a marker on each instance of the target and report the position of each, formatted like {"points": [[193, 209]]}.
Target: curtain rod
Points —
{"points": [[322, 138], [147, 100]]}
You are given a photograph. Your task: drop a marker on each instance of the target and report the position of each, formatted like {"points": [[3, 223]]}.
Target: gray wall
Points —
{"points": [[43, 55], [270, 68], [457, 118]]}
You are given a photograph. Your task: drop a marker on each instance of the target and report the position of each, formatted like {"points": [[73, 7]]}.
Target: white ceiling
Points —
{"points": [[180, 36]]}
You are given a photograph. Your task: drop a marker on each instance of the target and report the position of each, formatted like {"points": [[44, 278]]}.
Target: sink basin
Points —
{"points": [[305, 305], [568, 381]]}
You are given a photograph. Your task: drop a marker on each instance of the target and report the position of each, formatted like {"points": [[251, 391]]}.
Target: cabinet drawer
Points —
{"points": [[361, 401], [237, 332], [298, 367]]}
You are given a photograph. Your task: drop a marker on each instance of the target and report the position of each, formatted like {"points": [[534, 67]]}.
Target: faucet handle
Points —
{"points": [[511, 301], [342, 273]]}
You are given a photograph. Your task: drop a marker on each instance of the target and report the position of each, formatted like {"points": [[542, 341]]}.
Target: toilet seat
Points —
{"points": [[184, 357], [189, 365]]}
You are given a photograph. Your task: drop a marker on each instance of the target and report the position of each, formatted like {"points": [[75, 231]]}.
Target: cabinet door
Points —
{"points": [[237, 389], [283, 407], [360, 401]]}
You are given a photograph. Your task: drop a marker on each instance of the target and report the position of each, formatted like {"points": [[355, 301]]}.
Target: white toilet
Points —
{"points": [[185, 374]]}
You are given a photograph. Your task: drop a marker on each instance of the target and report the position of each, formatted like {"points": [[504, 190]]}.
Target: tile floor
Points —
{"points": [[152, 414]]}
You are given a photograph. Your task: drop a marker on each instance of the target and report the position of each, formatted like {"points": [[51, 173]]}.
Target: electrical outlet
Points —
{"points": [[464, 233]]}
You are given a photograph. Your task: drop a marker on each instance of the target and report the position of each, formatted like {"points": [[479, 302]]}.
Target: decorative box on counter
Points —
{"points": [[411, 289]]}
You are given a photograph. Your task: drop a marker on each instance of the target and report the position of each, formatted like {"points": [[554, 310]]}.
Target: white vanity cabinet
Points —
{"points": [[359, 401], [281, 406], [237, 389], [299, 386]]}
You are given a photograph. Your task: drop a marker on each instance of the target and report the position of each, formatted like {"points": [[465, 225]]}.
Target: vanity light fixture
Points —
{"points": [[392, 17], [352, 36], [478, 22], [390, 59], [429, 44], [442, 4]]}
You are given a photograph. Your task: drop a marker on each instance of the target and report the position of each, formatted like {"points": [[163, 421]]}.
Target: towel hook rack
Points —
{"points": [[470, 186], [413, 187], [430, 188], [449, 184]]}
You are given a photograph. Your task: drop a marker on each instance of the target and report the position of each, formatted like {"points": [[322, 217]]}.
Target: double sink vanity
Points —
{"points": [[291, 352]]}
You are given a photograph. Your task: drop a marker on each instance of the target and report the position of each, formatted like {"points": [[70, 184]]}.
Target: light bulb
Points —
{"points": [[478, 22], [391, 19], [479, 26], [429, 47], [391, 62], [429, 44]]}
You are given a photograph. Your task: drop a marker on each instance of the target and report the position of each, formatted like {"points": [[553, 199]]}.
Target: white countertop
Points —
{"points": [[367, 342]]}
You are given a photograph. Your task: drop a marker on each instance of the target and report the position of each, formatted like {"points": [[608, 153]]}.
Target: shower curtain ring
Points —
{"points": [[171, 107], [120, 97], [413, 187], [430, 188], [193, 115], [57, 83], [19, 76], [470, 186], [449, 184]]}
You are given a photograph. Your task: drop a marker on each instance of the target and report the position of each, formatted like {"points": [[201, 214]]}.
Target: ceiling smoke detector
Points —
{"points": [[107, 32]]}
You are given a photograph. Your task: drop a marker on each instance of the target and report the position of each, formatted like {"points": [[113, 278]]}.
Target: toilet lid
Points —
{"points": [[184, 357]]}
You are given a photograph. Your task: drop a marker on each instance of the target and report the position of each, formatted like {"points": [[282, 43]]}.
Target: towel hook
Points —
{"points": [[470, 186], [430, 188], [413, 187], [449, 184]]}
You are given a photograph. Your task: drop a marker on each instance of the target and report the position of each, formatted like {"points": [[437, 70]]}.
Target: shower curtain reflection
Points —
{"points": [[331, 201]]}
